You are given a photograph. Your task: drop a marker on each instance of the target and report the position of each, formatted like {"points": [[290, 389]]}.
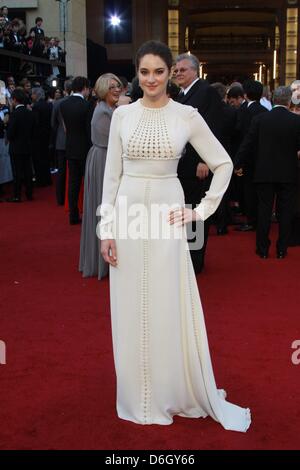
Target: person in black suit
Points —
{"points": [[76, 116], [19, 134], [222, 215], [14, 41], [274, 142], [253, 92], [37, 29], [235, 96], [60, 144], [236, 99], [41, 110], [193, 173]]}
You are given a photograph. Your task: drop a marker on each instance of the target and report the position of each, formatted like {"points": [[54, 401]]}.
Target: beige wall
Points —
{"points": [[95, 21], [51, 20], [76, 44]]}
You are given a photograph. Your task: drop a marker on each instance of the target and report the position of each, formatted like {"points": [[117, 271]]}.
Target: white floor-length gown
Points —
{"points": [[161, 352]]}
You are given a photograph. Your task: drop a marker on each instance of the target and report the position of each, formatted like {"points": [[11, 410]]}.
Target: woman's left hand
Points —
{"points": [[182, 216]]}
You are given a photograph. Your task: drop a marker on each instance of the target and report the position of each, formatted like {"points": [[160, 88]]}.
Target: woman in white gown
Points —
{"points": [[161, 352]]}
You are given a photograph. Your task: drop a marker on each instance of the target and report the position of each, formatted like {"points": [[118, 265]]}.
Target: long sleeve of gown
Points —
{"points": [[112, 176], [216, 158]]}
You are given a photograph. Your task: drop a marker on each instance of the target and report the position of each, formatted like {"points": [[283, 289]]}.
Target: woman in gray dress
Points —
{"points": [[108, 88], [5, 166]]}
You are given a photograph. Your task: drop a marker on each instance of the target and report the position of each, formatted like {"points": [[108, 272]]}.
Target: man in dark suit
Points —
{"points": [[235, 96], [76, 117], [41, 110], [193, 173], [253, 92], [274, 142], [60, 144], [19, 134], [222, 215], [37, 29], [14, 40]]}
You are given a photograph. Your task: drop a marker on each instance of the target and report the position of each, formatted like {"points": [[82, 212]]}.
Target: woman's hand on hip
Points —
{"points": [[182, 216], [109, 251]]}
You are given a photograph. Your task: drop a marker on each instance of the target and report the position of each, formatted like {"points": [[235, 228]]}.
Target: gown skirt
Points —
{"points": [[161, 351], [6, 174], [91, 262]]}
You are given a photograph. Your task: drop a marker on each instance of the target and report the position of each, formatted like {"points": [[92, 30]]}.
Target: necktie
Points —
{"points": [[180, 95]]}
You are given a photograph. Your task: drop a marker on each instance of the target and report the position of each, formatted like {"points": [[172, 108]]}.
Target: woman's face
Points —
{"points": [[57, 95], [153, 76], [114, 92]]}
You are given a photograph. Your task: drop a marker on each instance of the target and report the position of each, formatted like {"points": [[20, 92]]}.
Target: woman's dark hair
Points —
{"points": [[155, 48], [136, 92]]}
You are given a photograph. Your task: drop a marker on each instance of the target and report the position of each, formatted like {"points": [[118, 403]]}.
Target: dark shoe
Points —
{"points": [[222, 231], [13, 199], [75, 221], [261, 254], [281, 254], [245, 228]]}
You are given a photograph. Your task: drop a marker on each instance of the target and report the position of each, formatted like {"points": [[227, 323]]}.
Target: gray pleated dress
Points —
{"points": [[91, 262]]}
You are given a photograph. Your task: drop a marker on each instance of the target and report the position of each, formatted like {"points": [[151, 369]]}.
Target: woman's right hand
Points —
{"points": [[109, 251]]}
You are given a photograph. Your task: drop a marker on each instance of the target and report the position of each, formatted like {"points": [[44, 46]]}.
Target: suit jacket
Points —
{"points": [[247, 113], [229, 128], [42, 113], [20, 131], [39, 32], [209, 104], [272, 142], [14, 42], [76, 117], [57, 124]]}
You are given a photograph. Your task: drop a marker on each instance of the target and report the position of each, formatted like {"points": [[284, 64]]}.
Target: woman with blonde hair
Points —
{"points": [[107, 89]]}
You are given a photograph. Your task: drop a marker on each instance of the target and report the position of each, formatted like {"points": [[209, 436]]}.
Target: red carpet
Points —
{"points": [[58, 386]]}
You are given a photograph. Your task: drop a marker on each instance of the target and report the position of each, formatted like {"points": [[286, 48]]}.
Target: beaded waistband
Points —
{"points": [[136, 175]]}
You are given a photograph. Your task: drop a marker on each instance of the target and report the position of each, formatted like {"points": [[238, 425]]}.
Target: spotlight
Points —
{"points": [[54, 83], [115, 20]]}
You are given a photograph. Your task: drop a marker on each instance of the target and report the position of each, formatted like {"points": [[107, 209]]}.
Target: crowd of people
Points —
{"points": [[167, 138], [15, 37], [69, 126], [39, 101]]}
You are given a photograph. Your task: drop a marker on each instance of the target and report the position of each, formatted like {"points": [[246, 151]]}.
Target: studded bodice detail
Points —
{"points": [[150, 138]]}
